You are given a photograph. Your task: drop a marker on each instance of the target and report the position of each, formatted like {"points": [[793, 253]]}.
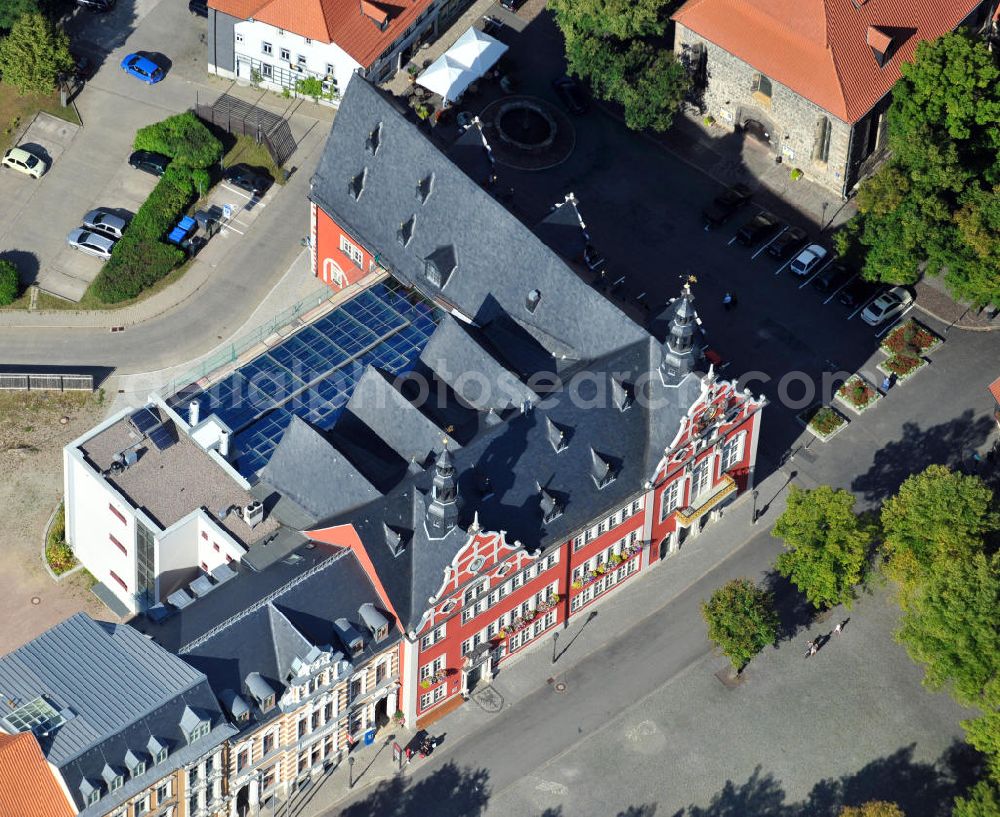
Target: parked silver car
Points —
{"points": [[91, 243], [886, 306], [105, 222]]}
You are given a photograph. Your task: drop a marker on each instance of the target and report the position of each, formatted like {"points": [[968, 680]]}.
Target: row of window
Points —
{"points": [[117, 782], [312, 757], [316, 720], [602, 527], [604, 556], [507, 618], [433, 696], [518, 640], [592, 591], [702, 477], [502, 591]]}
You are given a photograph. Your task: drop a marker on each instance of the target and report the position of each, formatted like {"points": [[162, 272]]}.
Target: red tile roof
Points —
{"points": [[823, 49], [28, 787], [351, 24], [995, 389]]}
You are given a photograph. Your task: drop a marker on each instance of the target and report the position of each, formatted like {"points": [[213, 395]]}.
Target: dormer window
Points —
{"points": [[93, 797], [532, 301], [136, 766], [551, 507], [601, 470], [116, 783], [375, 621], [424, 187]]}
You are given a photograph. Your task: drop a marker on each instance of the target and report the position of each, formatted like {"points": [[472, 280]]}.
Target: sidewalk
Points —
{"points": [[534, 670]]}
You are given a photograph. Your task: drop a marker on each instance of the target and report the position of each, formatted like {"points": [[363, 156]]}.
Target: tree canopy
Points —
{"points": [[950, 626], [936, 513], [936, 204], [983, 732], [9, 282], [741, 620], [873, 808], [184, 138], [12, 10], [620, 48], [982, 800], [34, 54], [828, 544]]}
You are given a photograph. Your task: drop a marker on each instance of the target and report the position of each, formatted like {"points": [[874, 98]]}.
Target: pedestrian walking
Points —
{"points": [[728, 301], [886, 383], [810, 648], [814, 648], [837, 630]]}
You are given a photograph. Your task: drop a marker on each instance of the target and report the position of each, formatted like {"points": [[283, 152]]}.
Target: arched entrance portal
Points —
{"points": [[758, 130]]}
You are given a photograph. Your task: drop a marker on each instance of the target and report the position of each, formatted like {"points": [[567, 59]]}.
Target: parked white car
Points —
{"points": [[91, 243], [807, 260], [25, 162], [886, 306]]}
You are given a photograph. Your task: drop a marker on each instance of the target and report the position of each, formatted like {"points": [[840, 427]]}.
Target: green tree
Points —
{"points": [[34, 54], [184, 138], [741, 620], [309, 86], [935, 205], [873, 808], [619, 47], [982, 800], [12, 10], [828, 544], [937, 513], [983, 732], [10, 283], [950, 626]]}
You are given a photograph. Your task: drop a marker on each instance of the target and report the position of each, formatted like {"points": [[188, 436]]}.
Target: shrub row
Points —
{"points": [[141, 258]]}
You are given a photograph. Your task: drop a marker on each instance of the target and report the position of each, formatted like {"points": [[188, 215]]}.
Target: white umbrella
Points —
{"points": [[477, 51], [446, 77]]}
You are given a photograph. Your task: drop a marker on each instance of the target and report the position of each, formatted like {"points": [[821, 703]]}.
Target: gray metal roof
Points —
{"points": [[497, 260], [119, 693]]}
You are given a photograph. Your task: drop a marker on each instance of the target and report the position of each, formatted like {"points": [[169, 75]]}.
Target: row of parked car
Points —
{"points": [[98, 231], [253, 180], [829, 275]]}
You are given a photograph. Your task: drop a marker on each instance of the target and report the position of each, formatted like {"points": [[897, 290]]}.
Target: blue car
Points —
{"points": [[142, 68]]}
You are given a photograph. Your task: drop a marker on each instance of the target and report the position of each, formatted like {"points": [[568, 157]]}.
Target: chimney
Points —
{"points": [[194, 413], [224, 444]]}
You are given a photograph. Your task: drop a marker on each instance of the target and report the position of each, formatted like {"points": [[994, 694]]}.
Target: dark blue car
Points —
{"points": [[142, 68]]}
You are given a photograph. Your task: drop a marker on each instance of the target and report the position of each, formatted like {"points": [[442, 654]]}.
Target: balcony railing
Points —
{"points": [[725, 487]]}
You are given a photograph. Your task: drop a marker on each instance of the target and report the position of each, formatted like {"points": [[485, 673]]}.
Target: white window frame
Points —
{"points": [[266, 48], [239, 36], [284, 55], [670, 498], [732, 451], [352, 251]]}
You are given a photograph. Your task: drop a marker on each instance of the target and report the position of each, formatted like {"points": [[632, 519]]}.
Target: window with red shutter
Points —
{"points": [[117, 544], [119, 579]]}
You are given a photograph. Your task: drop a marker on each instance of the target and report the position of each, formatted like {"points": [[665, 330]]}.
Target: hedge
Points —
{"points": [[184, 138], [141, 258], [10, 283]]}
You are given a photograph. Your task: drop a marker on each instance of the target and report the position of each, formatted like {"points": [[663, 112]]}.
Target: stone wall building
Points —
{"points": [[810, 79]]}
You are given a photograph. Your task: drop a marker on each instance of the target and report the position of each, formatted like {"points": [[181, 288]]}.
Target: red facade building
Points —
{"points": [[564, 449]]}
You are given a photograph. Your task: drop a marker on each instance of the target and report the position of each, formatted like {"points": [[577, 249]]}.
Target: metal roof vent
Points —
{"points": [[532, 301], [601, 470], [621, 394], [405, 231], [357, 184], [374, 139], [557, 436], [551, 508], [424, 188]]}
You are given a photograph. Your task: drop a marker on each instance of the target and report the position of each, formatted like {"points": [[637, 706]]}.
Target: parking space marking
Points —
{"points": [[783, 266], [231, 227], [769, 243], [237, 191], [819, 269], [890, 324], [832, 294], [731, 240], [856, 311]]}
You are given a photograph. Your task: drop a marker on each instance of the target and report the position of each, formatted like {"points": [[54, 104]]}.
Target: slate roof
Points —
{"points": [[497, 261], [115, 690], [28, 787], [260, 622], [825, 50], [508, 471]]}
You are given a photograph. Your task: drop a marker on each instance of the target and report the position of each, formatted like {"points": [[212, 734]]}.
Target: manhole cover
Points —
{"points": [[560, 686], [35, 600]]}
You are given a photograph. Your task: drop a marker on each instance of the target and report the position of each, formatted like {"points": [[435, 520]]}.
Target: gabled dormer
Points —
{"points": [[260, 691], [113, 778], [135, 764], [90, 791], [601, 469], [157, 749], [558, 438], [349, 637], [374, 621], [193, 725]]}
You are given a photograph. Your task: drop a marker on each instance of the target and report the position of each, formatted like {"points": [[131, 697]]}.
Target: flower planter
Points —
{"points": [[901, 367], [858, 394], [910, 339], [822, 421]]}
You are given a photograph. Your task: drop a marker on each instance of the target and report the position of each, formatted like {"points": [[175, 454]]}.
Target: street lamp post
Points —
{"points": [[350, 771], [555, 642], [753, 518]]}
